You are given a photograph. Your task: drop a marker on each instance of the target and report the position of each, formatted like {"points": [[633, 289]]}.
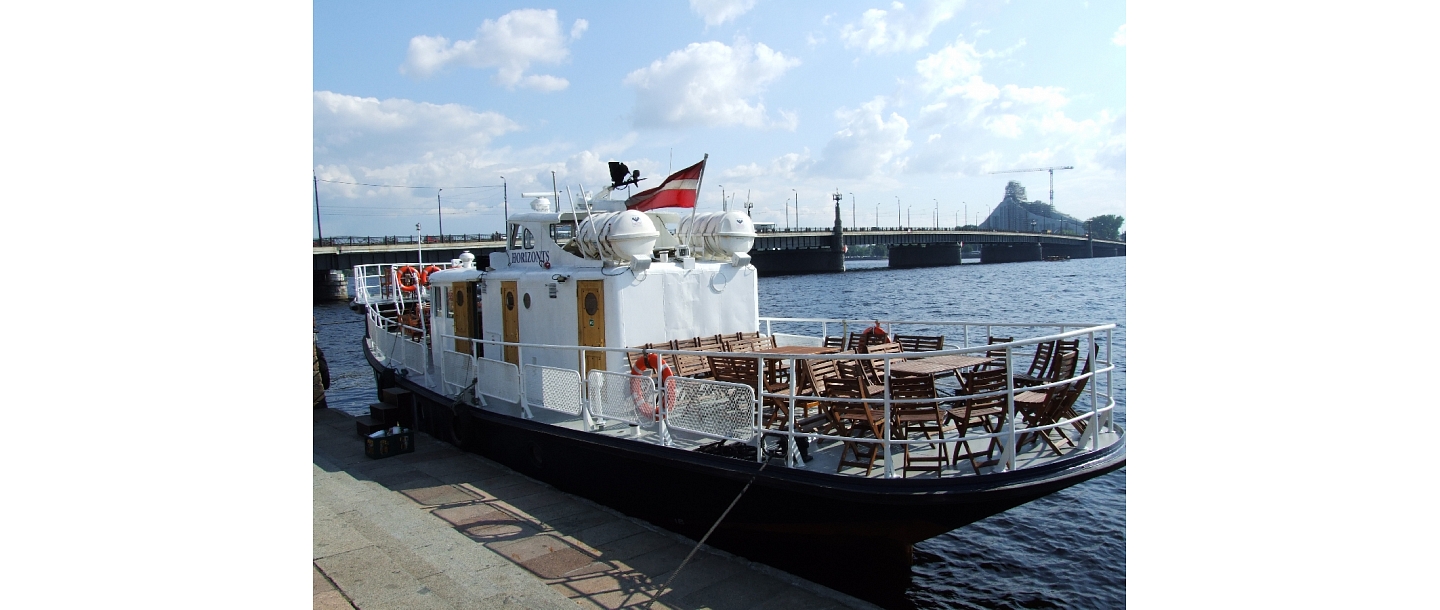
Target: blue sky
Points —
{"points": [[915, 102]]}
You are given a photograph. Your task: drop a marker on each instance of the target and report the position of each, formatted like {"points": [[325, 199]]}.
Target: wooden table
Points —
{"points": [[936, 365], [799, 350]]}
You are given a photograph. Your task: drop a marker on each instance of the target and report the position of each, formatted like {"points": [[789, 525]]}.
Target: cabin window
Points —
{"points": [[514, 237], [562, 233], [445, 303], [529, 239]]}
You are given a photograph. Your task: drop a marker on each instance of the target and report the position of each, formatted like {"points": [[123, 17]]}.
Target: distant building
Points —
{"points": [[1015, 214]]}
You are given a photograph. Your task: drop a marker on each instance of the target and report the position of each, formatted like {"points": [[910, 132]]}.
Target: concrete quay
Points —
{"points": [[441, 528]]}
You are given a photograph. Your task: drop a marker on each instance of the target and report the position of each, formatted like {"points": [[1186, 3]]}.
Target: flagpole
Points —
{"points": [[690, 238]]}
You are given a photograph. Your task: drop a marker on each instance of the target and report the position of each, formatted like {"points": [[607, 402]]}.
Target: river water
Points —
{"points": [[1066, 550]]}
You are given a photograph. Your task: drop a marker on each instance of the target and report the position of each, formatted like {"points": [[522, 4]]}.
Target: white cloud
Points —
{"points": [[395, 128], [868, 143], [709, 83], [511, 44], [717, 12], [949, 66], [972, 121], [898, 29], [1119, 38], [399, 141]]}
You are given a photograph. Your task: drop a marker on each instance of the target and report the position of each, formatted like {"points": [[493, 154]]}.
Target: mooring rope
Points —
{"points": [[662, 588]]}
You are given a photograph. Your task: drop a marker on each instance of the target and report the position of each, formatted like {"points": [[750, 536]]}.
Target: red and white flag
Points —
{"points": [[678, 191]]}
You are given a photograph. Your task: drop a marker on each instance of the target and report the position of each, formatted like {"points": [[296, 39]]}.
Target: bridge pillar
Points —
{"points": [[1011, 253], [929, 255], [789, 262], [1089, 247], [331, 286]]}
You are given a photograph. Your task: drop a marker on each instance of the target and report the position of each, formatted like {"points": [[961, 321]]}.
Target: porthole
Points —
{"points": [[527, 300], [592, 304], [509, 301], [459, 299]]}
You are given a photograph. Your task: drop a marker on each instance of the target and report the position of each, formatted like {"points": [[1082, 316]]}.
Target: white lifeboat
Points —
{"points": [[619, 236], [718, 235]]}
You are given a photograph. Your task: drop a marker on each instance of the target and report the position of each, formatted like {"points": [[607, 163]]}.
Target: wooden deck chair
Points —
{"points": [[744, 370], [986, 412], [920, 343], [856, 420], [1039, 365], [835, 342], [997, 355], [875, 369], [689, 366], [922, 417], [1043, 412], [1066, 408]]}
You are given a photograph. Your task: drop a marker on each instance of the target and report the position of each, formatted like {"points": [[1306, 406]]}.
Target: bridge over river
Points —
{"points": [[776, 252]]}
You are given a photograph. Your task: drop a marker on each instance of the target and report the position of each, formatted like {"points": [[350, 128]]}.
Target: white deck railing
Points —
{"points": [[711, 409]]}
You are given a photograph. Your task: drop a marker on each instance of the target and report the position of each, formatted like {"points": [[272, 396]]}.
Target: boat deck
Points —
{"points": [[825, 454]]}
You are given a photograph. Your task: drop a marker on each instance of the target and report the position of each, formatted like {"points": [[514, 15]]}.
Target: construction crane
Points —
{"points": [[1040, 169]]}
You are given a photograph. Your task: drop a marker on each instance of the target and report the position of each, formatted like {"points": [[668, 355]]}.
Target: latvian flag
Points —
{"points": [[677, 191]]}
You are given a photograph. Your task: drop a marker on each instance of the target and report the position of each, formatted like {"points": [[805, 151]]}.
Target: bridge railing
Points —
{"points": [[394, 240]]}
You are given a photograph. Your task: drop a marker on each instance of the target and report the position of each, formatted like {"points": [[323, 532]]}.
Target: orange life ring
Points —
{"points": [[645, 366], [409, 278], [425, 275]]}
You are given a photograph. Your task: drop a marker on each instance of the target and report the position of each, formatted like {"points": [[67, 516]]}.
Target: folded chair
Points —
{"points": [[856, 420], [922, 417], [986, 412]]}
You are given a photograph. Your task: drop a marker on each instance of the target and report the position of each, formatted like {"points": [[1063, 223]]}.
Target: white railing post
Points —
{"points": [[792, 452], [1010, 408], [885, 442], [1093, 428], [520, 378], [760, 394], [1109, 382]]}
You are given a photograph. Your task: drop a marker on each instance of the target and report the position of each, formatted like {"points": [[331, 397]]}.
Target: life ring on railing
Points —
{"points": [[425, 275], [873, 331], [409, 278], [649, 365]]}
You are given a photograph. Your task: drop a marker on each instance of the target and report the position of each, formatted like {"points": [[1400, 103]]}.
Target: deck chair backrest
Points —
{"points": [[985, 382], [1041, 362], [734, 369], [916, 387], [748, 345], [836, 342], [920, 343], [814, 373], [1064, 366], [1060, 346], [689, 366], [997, 356], [883, 348], [845, 388]]}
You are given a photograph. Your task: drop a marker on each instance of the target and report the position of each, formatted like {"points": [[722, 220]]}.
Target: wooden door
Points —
{"points": [[510, 303], [591, 314], [466, 314]]}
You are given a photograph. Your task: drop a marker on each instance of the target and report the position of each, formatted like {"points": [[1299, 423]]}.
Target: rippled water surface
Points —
{"points": [[1066, 550]]}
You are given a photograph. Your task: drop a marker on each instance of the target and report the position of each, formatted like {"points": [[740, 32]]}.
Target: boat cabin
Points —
{"points": [[600, 279]]}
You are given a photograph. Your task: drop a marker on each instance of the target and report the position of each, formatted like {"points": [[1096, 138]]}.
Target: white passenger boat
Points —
{"points": [[544, 358]]}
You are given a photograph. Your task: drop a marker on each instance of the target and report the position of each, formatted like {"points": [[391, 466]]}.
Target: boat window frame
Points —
{"points": [[555, 232]]}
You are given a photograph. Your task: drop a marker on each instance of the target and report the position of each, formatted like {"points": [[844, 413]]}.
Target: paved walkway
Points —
{"points": [[440, 528]]}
